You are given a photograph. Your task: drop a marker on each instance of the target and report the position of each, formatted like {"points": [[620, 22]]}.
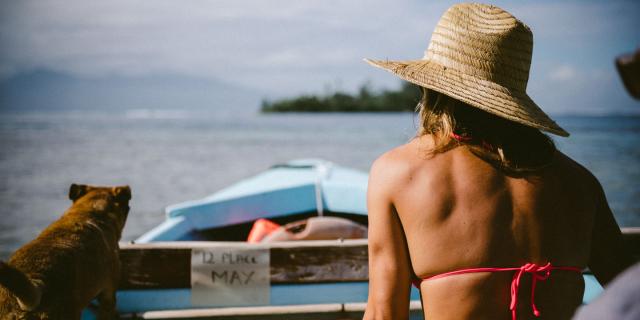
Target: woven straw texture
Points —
{"points": [[479, 54]]}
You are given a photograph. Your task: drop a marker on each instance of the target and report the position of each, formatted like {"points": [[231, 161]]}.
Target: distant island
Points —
{"points": [[404, 99]]}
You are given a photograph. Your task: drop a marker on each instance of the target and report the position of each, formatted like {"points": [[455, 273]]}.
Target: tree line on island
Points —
{"points": [[404, 99]]}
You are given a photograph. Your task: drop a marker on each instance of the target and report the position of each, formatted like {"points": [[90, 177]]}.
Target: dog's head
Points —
{"points": [[110, 199]]}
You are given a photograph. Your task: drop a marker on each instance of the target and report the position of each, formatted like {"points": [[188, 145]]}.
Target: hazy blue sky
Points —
{"points": [[289, 47]]}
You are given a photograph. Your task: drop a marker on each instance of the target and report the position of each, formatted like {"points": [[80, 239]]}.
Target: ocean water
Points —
{"points": [[172, 156]]}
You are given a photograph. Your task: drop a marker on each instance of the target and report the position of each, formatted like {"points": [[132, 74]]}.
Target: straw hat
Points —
{"points": [[480, 55]]}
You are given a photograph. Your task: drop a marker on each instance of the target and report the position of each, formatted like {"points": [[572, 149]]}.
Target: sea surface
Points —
{"points": [[173, 156]]}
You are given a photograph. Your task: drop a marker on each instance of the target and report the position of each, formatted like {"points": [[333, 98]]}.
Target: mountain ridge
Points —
{"points": [[46, 90]]}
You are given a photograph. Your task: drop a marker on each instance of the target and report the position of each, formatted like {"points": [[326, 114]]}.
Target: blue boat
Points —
{"points": [[284, 193]]}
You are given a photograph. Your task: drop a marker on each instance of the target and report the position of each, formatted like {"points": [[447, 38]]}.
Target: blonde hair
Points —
{"points": [[510, 146]]}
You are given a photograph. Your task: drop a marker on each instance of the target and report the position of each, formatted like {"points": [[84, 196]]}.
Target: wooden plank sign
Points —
{"points": [[166, 265], [230, 276]]}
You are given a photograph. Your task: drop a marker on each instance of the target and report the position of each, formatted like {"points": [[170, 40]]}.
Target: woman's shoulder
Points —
{"points": [[398, 159], [573, 170], [398, 164], [389, 173]]}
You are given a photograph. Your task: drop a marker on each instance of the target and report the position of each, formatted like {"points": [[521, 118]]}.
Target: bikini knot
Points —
{"points": [[537, 273]]}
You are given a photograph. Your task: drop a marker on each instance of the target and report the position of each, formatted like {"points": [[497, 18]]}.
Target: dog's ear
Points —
{"points": [[122, 193], [76, 191]]}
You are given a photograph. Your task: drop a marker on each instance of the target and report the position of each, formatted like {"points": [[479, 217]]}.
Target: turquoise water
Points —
{"points": [[173, 156]]}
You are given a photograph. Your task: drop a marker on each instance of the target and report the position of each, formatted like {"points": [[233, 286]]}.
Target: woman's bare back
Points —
{"points": [[457, 212]]}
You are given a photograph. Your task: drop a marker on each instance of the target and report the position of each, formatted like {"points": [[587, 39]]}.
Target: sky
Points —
{"points": [[284, 48]]}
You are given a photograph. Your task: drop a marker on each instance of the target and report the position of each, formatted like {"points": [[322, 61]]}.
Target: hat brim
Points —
{"points": [[514, 105]]}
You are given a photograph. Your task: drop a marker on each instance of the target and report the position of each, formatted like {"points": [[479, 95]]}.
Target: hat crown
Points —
{"points": [[484, 41]]}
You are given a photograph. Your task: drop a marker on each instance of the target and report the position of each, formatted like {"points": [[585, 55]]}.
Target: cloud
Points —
{"points": [[573, 20], [563, 73], [221, 39], [282, 47], [568, 89]]}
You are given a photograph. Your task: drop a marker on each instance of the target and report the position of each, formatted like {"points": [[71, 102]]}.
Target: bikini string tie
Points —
{"points": [[538, 273]]}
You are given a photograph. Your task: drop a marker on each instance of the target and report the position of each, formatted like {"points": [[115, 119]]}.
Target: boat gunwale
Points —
{"points": [[240, 244]]}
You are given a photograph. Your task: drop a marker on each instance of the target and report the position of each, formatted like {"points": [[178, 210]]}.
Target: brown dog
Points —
{"points": [[71, 262]]}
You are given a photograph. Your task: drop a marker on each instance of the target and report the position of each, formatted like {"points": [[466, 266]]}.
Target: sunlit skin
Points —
{"points": [[429, 215]]}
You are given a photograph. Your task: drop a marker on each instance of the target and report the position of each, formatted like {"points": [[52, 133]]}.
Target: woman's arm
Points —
{"points": [[609, 256], [389, 264]]}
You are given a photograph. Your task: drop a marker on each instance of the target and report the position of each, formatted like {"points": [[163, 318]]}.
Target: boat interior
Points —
{"points": [[240, 232]]}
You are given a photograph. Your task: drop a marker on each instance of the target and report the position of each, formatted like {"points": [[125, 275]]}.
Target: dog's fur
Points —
{"points": [[71, 262]]}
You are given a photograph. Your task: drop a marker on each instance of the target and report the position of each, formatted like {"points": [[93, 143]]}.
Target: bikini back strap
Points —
{"points": [[538, 273]]}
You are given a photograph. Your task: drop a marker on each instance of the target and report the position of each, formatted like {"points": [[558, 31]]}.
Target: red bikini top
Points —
{"points": [[537, 273]]}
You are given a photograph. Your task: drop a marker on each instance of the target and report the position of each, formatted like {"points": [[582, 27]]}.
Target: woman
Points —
{"points": [[480, 211]]}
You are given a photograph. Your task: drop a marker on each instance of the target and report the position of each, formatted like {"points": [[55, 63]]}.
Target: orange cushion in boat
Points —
{"points": [[318, 228], [261, 228]]}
